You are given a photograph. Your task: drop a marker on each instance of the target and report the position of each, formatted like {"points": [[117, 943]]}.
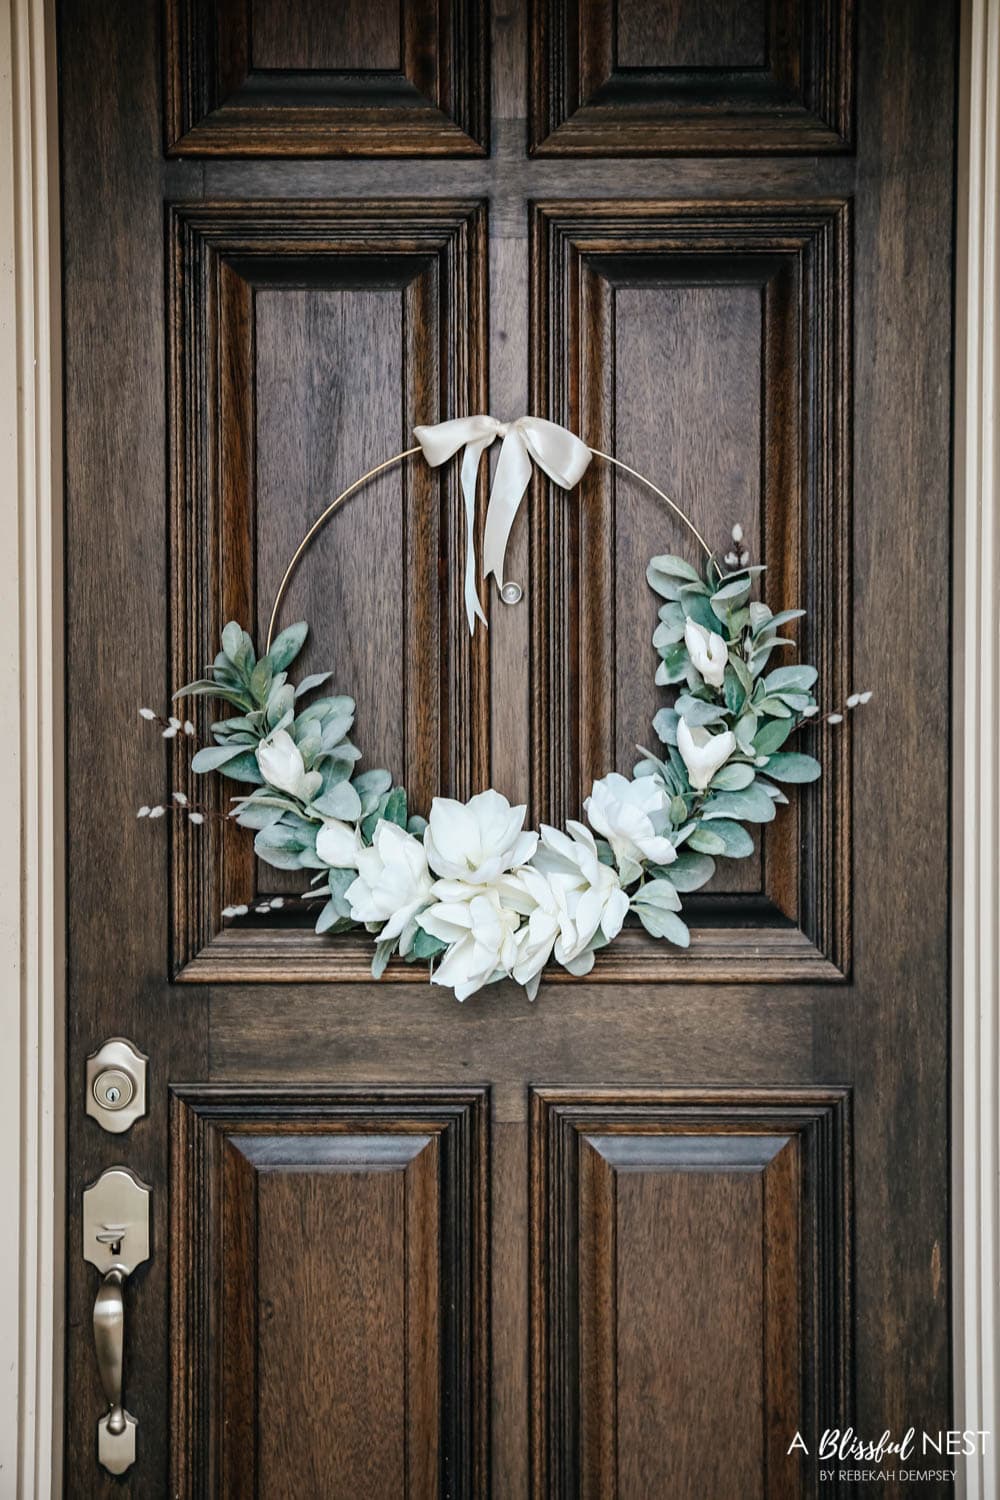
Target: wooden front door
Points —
{"points": [[629, 1239]]}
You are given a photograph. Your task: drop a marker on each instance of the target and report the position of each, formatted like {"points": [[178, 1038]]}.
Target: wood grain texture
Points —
{"points": [[329, 1267], [302, 78], [117, 654], [738, 319], [690, 1256], [681, 79], [691, 34], [257, 1011], [738, 947], [275, 311], [902, 881], [311, 36]]}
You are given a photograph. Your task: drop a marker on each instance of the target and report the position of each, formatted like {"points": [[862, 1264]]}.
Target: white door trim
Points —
{"points": [[976, 721], [32, 1131]]}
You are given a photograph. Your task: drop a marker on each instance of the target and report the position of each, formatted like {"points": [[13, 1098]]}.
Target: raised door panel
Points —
{"points": [[685, 77], [312, 78], [690, 1258], [707, 347], [306, 342], [328, 1292]]}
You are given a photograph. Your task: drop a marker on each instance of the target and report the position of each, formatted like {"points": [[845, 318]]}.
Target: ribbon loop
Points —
{"points": [[558, 452]]}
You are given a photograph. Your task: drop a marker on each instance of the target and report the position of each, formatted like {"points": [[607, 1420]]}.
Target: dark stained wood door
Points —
{"points": [[627, 1240]]}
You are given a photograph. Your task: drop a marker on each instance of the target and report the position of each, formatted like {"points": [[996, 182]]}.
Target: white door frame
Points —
{"points": [[32, 1133], [976, 745], [32, 1121]]}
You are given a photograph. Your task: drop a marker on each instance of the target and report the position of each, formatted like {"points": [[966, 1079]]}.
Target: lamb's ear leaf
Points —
{"points": [[791, 679], [688, 872], [730, 596], [706, 841], [734, 776], [664, 924], [394, 810], [772, 735], [752, 805], [425, 946], [665, 574], [339, 801], [314, 680], [232, 641], [665, 725], [659, 892], [243, 768], [288, 645], [698, 608], [214, 757], [738, 842], [382, 955], [791, 767], [733, 690], [674, 666]]}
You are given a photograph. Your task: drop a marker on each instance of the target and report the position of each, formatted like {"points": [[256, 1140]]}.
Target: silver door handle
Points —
{"points": [[109, 1340], [116, 1241]]}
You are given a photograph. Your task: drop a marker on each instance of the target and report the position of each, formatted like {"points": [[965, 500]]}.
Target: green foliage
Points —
{"points": [[756, 705], [760, 704]]}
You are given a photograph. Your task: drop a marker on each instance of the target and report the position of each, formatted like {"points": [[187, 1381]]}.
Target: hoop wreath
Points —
{"points": [[467, 889]]}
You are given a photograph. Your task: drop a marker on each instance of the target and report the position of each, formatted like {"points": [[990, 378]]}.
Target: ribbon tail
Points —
{"points": [[470, 471], [509, 484]]}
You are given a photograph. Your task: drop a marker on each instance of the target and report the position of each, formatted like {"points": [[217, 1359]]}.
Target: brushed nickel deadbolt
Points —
{"points": [[116, 1085]]}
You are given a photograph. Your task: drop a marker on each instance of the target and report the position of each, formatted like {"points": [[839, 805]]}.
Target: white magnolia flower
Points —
{"points": [[393, 884], [339, 844], [623, 812], [282, 766], [481, 938], [476, 841], [575, 896], [703, 753], [707, 651]]}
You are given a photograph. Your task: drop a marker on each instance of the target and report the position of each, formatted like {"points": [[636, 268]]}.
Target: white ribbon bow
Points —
{"points": [[555, 449]]}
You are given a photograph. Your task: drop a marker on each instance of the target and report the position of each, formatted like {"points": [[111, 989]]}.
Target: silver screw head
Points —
{"points": [[512, 593]]}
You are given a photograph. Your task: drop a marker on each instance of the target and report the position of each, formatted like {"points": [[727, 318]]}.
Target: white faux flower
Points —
{"points": [[339, 844], [393, 884], [281, 765], [707, 651], [476, 841], [703, 753], [575, 896], [481, 938], [623, 812]]}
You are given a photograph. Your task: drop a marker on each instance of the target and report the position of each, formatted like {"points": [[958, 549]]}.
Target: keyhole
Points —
{"points": [[113, 1094]]}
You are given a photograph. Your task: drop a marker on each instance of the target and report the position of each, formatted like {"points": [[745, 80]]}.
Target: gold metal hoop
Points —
{"points": [[397, 458]]}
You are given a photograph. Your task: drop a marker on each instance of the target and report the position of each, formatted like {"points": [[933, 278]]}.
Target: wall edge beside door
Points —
{"points": [[31, 762], [976, 754]]}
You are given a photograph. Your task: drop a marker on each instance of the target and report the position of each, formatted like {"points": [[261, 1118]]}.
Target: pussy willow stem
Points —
{"points": [[351, 489]]}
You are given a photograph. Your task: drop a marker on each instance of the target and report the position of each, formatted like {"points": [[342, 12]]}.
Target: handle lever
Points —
{"points": [[109, 1340]]}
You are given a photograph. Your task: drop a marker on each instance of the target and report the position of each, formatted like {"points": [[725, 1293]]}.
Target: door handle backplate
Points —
{"points": [[116, 1241]]}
